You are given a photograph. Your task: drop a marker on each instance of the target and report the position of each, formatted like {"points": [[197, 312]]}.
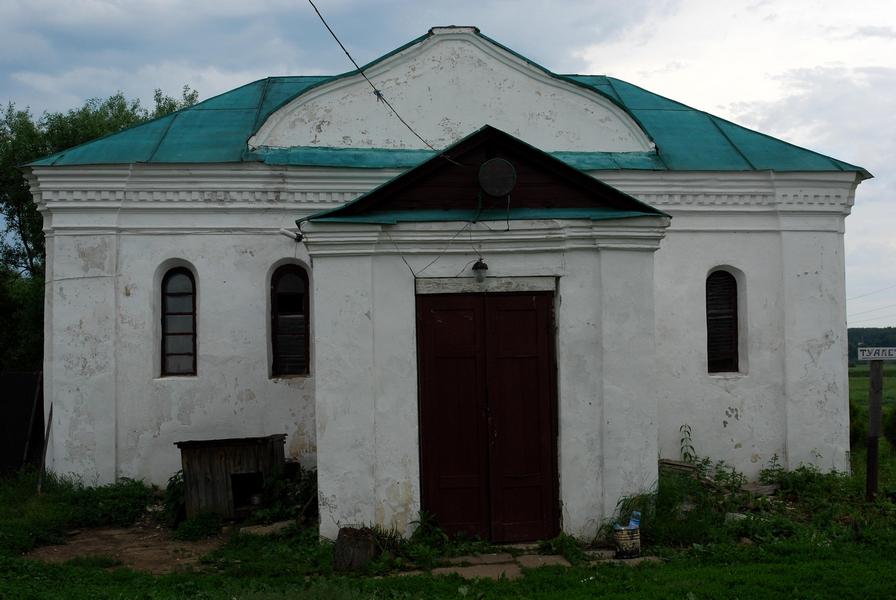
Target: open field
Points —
{"points": [[858, 383], [816, 538]]}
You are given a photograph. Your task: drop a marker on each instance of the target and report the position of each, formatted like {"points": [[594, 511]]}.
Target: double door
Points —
{"points": [[488, 414]]}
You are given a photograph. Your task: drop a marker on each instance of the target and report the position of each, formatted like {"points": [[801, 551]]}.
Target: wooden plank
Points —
{"points": [[521, 403], [454, 467], [875, 396]]}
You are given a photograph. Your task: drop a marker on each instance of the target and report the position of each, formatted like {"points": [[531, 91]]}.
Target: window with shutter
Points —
{"points": [[289, 321], [178, 322], [721, 322]]}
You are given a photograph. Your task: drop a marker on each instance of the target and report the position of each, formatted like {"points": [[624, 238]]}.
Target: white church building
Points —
{"points": [[507, 331]]}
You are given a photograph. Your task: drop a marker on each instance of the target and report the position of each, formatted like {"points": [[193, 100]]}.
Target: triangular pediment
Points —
{"points": [[446, 85], [450, 187]]}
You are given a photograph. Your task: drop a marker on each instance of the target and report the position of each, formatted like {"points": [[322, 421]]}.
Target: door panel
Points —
{"points": [[453, 466], [520, 400], [488, 414]]}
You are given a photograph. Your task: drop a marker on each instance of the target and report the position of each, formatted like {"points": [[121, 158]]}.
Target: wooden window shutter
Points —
{"points": [[289, 321], [721, 322], [178, 322]]}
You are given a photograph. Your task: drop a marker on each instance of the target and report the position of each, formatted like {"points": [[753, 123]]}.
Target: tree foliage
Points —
{"points": [[24, 138], [869, 336]]}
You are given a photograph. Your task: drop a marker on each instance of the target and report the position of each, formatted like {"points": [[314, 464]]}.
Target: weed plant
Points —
{"points": [[425, 548], [175, 500], [28, 520], [294, 551], [201, 526], [686, 508], [292, 496], [796, 550], [889, 425], [567, 546]]}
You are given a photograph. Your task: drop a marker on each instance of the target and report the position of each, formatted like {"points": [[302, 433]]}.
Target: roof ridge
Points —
{"points": [[834, 161], [631, 113], [162, 137], [264, 94], [712, 119]]}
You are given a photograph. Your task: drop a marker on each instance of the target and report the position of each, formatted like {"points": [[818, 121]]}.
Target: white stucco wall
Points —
{"points": [[114, 415], [367, 405], [623, 396], [782, 236], [466, 82]]}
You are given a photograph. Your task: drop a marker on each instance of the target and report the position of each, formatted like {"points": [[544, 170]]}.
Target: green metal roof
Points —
{"points": [[218, 129]]}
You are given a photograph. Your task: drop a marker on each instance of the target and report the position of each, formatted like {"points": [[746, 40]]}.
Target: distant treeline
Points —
{"points": [[869, 336]]}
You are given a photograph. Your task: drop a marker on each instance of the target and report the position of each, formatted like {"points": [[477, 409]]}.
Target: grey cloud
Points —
{"points": [[841, 111], [875, 32], [242, 37], [846, 113]]}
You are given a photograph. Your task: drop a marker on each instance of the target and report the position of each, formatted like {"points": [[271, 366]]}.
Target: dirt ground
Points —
{"points": [[143, 549]]}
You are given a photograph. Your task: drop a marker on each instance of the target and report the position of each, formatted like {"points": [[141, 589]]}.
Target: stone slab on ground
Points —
{"points": [[271, 529], [758, 489], [634, 562], [521, 546], [533, 561], [482, 559], [600, 554], [488, 571]]}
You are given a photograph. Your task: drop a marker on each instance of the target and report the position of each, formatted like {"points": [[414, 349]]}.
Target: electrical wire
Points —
{"points": [[508, 212], [464, 268], [866, 319], [377, 92], [416, 274], [884, 289], [400, 255], [433, 261], [871, 310]]}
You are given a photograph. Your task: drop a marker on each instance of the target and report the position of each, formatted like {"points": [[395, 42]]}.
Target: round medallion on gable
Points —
{"points": [[497, 177]]}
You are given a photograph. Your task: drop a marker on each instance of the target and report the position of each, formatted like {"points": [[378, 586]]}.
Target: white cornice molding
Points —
{"points": [[82, 193], [535, 236]]}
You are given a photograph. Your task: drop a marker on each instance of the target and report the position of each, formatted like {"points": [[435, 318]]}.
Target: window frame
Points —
{"points": [[731, 314], [169, 274], [275, 315]]}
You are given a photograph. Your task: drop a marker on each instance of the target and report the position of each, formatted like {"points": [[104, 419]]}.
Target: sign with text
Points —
{"points": [[877, 353]]}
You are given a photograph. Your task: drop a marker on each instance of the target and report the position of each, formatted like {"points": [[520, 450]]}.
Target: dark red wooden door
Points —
{"points": [[488, 414]]}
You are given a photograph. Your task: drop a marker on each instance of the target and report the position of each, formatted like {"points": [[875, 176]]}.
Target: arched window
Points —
{"points": [[721, 322], [178, 322], [289, 321]]}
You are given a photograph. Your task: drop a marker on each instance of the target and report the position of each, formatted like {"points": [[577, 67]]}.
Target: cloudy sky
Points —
{"points": [[821, 74]]}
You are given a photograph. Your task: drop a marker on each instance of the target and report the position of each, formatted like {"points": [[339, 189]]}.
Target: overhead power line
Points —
{"points": [[880, 317], [376, 91], [871, 310], [884, 289]]}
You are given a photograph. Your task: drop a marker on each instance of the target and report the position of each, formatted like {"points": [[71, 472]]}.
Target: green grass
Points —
{"points": [[817, 538], [858, 384], [201, 526], [294, 553], [781, 570], [28, 520]]}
